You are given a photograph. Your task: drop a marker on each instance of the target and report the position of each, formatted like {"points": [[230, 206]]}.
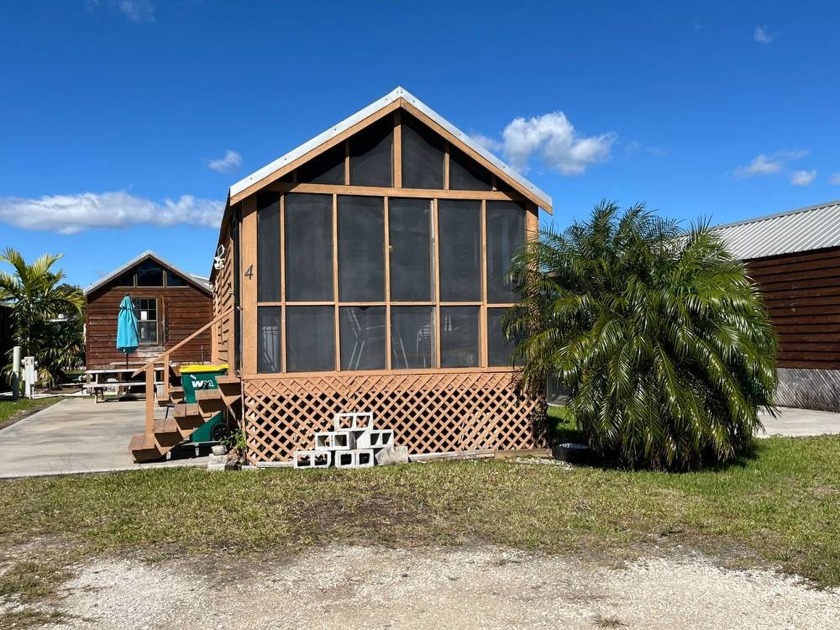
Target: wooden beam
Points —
{"points": [[387, 261], [377, 191], [482, 311], [336, 313], [398, 153]]}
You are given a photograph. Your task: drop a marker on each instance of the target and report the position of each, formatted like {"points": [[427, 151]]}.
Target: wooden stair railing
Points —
{"points": [[157, 437]]}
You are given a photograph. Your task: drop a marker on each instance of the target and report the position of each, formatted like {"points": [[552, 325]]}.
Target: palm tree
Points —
{"points": [[657, 332], [38, 295]]}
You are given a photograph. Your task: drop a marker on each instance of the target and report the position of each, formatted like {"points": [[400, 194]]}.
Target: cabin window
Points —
{"points": [[268, 339], [145, 309], [467, 174], [174, 280], [362, 330], [327, 168], [499, 349], [458, 336], [505, 236], [410, 246], [125, 280], [309, 238], [422, 155], [361, 249], [459, 227], [149, 274], [268, 247], [371, 155], [413, 343], [310, 339]]}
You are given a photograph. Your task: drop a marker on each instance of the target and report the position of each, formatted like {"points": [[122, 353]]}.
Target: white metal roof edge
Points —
{"points": [[195, 280], [777, 215], [363, 113]]}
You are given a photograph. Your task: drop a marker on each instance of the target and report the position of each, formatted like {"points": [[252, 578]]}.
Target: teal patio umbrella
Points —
{"points": [[128, 337]]}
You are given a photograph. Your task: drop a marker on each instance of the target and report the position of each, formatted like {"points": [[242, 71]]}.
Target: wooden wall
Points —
{"points": [[802, 292], [223, 300], [181, 311]]}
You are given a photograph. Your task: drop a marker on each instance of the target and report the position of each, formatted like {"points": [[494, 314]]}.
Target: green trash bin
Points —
{"points": [[203, 377]]}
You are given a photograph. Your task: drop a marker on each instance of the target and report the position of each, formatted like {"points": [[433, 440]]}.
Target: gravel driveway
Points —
{"points": [[480, 587]]}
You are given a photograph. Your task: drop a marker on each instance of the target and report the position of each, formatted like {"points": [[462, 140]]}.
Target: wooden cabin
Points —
{"points": [[170, 305], [794, 258], [366, 271], [6, 341]]}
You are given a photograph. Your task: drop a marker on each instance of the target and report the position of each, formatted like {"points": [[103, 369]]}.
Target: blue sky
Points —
{"points": [[124, 122]]}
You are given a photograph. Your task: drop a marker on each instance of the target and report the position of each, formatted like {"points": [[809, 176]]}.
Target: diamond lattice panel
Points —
{"points": [[429, 413]]}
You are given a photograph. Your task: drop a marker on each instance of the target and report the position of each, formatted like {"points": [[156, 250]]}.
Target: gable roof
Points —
{"points": [[804, 229], [199, 282], [398, 98]]}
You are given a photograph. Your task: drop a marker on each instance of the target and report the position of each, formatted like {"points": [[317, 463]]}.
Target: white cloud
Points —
{"points": [[631, 148], [68, 214], [139, 11], [231, 161], [803, 178], [764, 164], [554, 139], [762, 35], [488, 143], [834, 179]]}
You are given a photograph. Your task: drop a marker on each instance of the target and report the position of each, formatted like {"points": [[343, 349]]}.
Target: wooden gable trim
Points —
{"points": [[306, 157], [130, 268]]}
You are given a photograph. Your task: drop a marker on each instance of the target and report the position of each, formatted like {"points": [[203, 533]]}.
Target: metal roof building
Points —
{"points": [[805, 229]]}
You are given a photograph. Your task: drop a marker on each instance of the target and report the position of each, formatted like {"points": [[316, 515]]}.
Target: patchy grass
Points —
{"points": [[30, 589], [12, 411], [780, 507]]}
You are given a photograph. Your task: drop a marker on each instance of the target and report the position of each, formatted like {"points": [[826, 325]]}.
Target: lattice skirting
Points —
{"points": [[429, 413], [809, 389]]}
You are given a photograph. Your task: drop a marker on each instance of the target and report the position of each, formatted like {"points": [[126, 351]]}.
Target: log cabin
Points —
{"points": [[366, 271], [794, 258], [170, 305]]}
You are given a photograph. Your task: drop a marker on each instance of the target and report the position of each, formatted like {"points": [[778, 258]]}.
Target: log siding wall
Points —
{"points": [[802, 293], [181, 311]]}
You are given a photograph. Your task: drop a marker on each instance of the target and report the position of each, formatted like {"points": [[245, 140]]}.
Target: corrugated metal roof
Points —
{"points": [[198, 281], [805, 229], [306, 147]]}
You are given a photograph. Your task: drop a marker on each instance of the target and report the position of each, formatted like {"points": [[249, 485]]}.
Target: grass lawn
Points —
{"points": [[780, 507], [13, 410]]}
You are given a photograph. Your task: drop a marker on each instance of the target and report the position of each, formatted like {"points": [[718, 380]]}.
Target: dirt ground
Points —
{"points": [[475, 587]]}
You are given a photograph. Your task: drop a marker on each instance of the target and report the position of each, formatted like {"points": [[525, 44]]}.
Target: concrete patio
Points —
{"points": [[77, 435]]}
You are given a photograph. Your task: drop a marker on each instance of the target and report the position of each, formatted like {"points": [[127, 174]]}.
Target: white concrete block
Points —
{"points": [[376, 438], [345, 459], [355, 420], [312, 459], [322, 441], [364, 457]]}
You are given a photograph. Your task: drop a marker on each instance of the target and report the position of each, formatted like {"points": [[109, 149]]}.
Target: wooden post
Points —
{"points": [[150, 400], [166, 376], [249, 271]]}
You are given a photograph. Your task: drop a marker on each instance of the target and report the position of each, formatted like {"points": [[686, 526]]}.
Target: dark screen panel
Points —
{"points": [[499, 349], [268, 247], [459, 226], [327, 168], [505, 237], [361, 249], [412, 337], [410, 241], [149, 274], [268, 340], [310, 339], [458, 336], [371, 155], [362, 330], [422, 155], [174, 280], [467, 174], [309, 271]]}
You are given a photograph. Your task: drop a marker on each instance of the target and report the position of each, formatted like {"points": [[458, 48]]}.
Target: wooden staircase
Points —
{"points": [[162, 435]]}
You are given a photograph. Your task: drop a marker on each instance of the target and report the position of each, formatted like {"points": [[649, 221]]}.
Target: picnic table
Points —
{"points": [[116, 381]]}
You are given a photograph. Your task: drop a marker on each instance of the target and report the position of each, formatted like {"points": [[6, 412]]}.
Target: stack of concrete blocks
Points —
{"points": [[353, 443]]}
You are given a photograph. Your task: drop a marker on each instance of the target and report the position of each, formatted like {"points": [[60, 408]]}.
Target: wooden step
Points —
{"points": [[167, 434], [176, 395], [188, 424], [209, 402], [231, 389], [144, 449]]}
